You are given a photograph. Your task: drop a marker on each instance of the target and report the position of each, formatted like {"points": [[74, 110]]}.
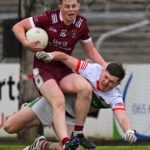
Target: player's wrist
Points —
{"points": [[50, 56], [130, 131], [130, 136], [25, 43]]}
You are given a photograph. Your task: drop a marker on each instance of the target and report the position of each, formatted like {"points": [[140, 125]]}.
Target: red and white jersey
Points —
{"points": [[61, 37], [92, 72]]}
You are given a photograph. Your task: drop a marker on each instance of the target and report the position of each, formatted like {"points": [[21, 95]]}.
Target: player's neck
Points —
{"points": [[67, 23]]}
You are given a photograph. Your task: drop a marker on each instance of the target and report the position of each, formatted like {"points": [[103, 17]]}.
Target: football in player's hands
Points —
{"points": [[38, 34]]}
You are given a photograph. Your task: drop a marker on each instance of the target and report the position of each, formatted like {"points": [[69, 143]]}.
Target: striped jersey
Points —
{"points": [[61, 37]]}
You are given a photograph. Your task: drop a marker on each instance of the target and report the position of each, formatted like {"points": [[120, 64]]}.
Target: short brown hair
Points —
{"points": [[116, 69], [60, 1]]}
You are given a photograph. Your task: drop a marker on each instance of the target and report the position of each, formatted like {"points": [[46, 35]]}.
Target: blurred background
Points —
{"points": [[121, 32]]}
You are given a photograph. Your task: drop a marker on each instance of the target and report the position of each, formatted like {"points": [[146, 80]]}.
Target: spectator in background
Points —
{"points": [[65, 27]]}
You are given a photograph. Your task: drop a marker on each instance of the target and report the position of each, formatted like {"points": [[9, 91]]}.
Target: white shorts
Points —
{"points": [[43, 110]]}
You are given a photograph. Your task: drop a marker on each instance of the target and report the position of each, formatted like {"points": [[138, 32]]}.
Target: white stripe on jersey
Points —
{"points": [[78, 23], [54, 18], [84, 65], [32, 22], [87, 40]]}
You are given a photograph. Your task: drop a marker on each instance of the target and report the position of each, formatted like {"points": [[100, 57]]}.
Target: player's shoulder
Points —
{"points": [[82, 17], [52, 15], [90, 64], [116, 92], [97, 66], [80, 21], [94, 69], [51, 12]]}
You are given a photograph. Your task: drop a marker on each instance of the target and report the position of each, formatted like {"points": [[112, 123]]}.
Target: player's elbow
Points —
{"points": [[14, 28]]}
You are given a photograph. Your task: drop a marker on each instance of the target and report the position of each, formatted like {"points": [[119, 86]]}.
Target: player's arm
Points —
{"points": [[19, 30], [93, 54], [68, 60], [123, 120], [125, 125]]}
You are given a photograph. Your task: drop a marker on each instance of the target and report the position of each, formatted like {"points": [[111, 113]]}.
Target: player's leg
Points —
{"points": [[41, 143], [55, 146], [22, 119], [53, 94], [75, 83], [83, 141], [43, 111], [70, 102]]}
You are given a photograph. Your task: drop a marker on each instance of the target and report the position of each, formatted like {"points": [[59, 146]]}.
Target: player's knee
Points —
{"points": [[59, 104], [89, 89], [8, 127], [86, 93]]}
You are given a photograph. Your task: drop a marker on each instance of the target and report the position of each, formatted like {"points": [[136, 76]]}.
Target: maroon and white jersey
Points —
{"points": [[61, 37]]}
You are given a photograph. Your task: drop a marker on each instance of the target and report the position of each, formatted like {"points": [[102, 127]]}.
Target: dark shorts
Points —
{"points": [[40, 76], [56, 74]]}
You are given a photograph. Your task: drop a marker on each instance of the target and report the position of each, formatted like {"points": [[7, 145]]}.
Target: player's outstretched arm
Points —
{"points": [[126, 126], [68, 60]]}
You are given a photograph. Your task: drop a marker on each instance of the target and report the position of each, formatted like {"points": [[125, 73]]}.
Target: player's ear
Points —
{"points": [[119, 82], [79, 5]]}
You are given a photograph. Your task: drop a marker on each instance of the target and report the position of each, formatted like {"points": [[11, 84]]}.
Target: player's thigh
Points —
{"points": [[46, 83], [52, 92], [74, 83]]}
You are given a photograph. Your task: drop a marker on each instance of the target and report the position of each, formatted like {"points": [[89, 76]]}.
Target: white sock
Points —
{"points": [[75, 133]]}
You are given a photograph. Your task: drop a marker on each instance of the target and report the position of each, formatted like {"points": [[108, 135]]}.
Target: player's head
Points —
{"points": [[111, 76], [61, 1], [69, 10], [116, 69]]}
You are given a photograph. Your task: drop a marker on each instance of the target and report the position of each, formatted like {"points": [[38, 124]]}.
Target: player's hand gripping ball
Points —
{"points": [[38, 34]]}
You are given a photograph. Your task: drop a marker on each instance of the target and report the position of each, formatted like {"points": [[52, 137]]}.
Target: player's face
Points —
{"points": [[107, 81], [69, 10]]}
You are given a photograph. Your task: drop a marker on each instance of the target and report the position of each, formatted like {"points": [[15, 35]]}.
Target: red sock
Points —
{"points": [[43, 145], [78, 128], [64, 141]]}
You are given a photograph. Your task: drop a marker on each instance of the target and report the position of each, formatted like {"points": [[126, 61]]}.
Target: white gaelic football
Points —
{"points": [[38, 34]]}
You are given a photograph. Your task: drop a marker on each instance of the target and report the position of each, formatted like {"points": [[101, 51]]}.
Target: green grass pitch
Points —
{"points": [[20, 147]]}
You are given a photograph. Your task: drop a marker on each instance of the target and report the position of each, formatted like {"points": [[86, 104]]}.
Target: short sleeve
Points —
{"points": [[41, 20]]}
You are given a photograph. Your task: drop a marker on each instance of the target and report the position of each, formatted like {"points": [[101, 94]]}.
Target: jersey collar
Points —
{"points": [[97, 85]]}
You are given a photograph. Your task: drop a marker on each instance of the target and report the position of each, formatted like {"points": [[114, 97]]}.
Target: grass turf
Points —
{"points": [[20, 147]]}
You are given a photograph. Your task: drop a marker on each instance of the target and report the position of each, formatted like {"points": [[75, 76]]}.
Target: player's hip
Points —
{"points": [[40, 76]]}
